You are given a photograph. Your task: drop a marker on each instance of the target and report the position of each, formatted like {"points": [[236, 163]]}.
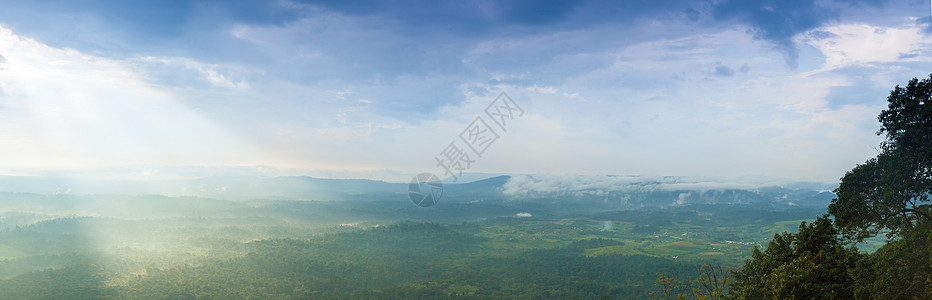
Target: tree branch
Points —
{"points": [[918, 212]]}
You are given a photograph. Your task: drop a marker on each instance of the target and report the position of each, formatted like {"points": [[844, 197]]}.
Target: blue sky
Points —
{"points": [[377, 89]]}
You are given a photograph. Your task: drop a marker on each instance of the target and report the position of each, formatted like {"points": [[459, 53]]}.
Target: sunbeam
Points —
{"points": [[86, 112]]}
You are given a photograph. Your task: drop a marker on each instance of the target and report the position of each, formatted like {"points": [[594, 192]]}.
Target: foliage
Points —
{"points": [[813, 264], [73, 282], [402, 261], [891, 191], [711, 284], [900, 270], [887, 193], [281, 249]]}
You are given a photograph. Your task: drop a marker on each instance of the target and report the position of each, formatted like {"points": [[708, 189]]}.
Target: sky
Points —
{"points": [[379, 89]]}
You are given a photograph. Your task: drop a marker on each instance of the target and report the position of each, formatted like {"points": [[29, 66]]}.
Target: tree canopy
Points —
{"points": [[813, 264], [891, 191]]}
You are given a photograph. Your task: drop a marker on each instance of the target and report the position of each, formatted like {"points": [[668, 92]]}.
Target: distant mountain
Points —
{"points": [[603, 192], [227, 187]]}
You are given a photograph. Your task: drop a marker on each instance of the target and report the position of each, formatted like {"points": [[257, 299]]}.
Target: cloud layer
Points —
{"points": [[524, 185], [375, 89]]}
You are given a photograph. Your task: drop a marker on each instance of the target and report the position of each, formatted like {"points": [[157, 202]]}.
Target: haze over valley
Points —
{"points": [[474, 149]]}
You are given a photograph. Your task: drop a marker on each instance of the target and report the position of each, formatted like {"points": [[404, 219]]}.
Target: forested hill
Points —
{"points": [[404, 261]]}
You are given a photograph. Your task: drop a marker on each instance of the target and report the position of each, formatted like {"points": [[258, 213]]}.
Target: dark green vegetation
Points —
{"points": [[192, 247], [889, 193], [816, 263]]}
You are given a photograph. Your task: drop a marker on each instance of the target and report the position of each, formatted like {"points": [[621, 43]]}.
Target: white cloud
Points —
{"points": [[231, 77], [347, 94], [681, 199], [657, 109], [62, 109], [848, 44], [522, 185]]}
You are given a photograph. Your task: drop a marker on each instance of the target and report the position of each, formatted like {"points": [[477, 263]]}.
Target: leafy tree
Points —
{"points": [[901, 269], [709, 285], [891, 191], [669, 287], [813, 264]]}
